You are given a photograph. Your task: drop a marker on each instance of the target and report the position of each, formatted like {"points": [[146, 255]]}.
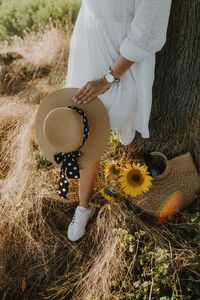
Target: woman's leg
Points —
{"points": [[86, 183]]}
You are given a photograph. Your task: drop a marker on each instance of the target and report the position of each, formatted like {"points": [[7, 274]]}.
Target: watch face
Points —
{"points": [[109, 78]]}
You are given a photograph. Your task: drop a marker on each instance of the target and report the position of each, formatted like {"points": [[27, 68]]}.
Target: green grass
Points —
{"points": [[18, 16]]}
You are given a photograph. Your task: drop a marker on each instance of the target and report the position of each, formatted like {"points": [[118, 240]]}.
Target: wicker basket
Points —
{"points": [[172, 190]]}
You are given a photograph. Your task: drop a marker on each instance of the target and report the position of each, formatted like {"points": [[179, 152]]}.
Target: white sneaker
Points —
{"points": [[76, 228]]}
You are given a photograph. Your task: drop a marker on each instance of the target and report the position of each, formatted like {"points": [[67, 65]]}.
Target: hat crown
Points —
{"points": [[95, 121], [64, 129]]}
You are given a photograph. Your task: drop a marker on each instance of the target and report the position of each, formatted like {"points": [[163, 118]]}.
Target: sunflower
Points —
{"points": [[112, 170], [135, 179], [108, 194]]}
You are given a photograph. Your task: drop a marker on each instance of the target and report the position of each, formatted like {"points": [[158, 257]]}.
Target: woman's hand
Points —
{"points": [[91, 90]]}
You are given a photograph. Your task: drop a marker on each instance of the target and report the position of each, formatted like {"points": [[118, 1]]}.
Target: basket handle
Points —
{"points": [[166, 171]]}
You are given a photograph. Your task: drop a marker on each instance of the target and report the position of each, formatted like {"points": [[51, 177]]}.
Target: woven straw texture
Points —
{"points": [[172, 190]]}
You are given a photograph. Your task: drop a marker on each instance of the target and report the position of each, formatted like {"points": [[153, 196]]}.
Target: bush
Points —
{"points": [[17, 16]]}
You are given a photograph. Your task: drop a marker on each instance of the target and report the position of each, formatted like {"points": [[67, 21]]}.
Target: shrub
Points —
{"points": [[17, 16]]}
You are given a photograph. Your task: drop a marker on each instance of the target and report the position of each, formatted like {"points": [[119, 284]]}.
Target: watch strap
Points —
{"points": [[111, 71]]}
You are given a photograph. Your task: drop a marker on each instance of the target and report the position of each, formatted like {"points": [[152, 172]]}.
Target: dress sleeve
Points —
{"points": [[148, 30]]}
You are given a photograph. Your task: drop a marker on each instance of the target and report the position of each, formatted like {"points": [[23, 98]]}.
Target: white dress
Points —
{"points": [[105, 29]]}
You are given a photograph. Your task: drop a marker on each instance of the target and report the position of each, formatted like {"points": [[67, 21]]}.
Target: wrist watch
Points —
{"points": [[110, 77]]}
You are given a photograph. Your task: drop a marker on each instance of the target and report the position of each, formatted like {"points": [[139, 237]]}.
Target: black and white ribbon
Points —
{"points": [[70, 164]]}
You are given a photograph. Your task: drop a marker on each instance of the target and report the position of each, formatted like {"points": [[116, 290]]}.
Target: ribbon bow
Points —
{"points": [[69, 168], [70, 165]]}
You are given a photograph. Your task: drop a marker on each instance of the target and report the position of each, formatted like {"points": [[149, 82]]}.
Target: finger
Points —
{"points": [[84, 98], [85, 91], [82, 89], [90, 98], [79, 98], [77, 93]]}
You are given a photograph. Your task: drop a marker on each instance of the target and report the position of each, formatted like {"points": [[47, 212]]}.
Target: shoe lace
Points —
{"points": [[75, 219]]}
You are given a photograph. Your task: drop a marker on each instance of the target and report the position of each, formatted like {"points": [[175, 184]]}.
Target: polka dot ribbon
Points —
{"points": [[70, 164]]}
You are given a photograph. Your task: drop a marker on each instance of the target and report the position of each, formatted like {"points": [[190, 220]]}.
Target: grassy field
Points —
{"points": [[124, 254], [19, 16]]}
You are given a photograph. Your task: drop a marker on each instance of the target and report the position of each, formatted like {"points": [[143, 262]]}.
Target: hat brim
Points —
{"points": [[98, 120]]}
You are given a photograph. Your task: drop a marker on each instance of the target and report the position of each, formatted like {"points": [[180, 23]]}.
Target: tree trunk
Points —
{"points": [[175, 116]]}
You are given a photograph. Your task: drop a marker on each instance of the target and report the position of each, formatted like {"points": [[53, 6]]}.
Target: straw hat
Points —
{"points": [[172, 190], [71, 135]]}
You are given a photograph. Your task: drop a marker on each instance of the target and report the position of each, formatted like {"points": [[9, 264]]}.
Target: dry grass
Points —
{"points": [[37, 260]]}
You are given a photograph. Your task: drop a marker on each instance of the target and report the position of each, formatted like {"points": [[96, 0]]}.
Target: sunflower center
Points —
{"points": [[135, 178]]}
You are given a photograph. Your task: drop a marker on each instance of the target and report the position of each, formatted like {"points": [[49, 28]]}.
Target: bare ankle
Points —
{"points": [[84, 205]]}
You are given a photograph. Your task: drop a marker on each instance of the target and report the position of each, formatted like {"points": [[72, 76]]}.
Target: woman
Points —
{"points": [[123, 35]]}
